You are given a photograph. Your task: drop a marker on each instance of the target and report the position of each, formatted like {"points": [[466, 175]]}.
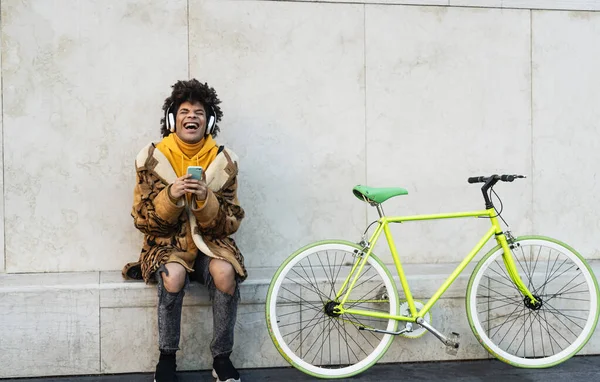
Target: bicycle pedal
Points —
{"points": [[453, 343]]}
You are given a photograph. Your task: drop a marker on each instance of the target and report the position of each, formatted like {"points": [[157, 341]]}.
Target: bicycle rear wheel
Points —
{"points": [[300, 317], [515, 331]]}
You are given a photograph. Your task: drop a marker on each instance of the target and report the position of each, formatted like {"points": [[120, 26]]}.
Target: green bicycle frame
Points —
{"points": [[383, 226]]}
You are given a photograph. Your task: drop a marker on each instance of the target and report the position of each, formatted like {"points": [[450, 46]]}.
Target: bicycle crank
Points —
{"points": [[452, 343], [405, 330]]}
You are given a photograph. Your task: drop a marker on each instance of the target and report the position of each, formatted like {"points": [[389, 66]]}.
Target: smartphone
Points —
{"points": [[196, 172]]}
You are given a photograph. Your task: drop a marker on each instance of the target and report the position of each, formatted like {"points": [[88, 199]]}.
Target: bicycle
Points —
{"points": [[531, 301]]}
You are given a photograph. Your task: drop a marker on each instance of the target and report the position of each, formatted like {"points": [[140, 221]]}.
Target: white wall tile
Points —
{"points": [[2, 254], [132, 345], [83, 89], [49, 331], [565, 127], [409, 2], [448, 98], [553, 4], [477, 3], [291, 78], [583, 5], [36, 282], [395, 2]]}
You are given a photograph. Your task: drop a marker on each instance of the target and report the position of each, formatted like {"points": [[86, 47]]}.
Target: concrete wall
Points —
{"points": [[317, 97]]}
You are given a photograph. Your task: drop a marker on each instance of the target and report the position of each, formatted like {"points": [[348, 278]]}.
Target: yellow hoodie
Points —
{"points": [[181, 154]]}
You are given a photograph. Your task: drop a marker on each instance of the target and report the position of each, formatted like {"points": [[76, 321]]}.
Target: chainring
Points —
{"points": [[418, 330]]}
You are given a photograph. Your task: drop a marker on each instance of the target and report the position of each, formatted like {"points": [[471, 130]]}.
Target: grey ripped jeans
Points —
{"points": [[170, 305]]}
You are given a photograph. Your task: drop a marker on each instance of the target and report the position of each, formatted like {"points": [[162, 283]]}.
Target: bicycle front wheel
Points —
{"points": [[301, 320], [526, 335]]}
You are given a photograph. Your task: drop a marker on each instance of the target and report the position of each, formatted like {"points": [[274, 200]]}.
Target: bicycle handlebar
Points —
{"points": [[490, 181], [503, 178]]}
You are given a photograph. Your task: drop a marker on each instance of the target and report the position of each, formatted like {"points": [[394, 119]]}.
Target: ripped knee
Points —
{"points": [[173, 277], [223, 276]]}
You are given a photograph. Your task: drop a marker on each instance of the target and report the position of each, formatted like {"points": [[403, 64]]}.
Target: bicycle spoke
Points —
{"points": [[320, 336], [301, 299], [505, 321], [508, 318], [500, 265], [561, 290], [557, 331], [557, 313], [522, 315], [551, 277], [363, 296], [348, 347], [299, 331], [362, 332], [548, 331], [318, 293], [332, 296], [314, 286], [494, 308], [512, 298], [321, 320], [340, 268], [525, 332], [536, 261], [313, 273], [323, 339], [526, 268], [329, 281], [510, 286], [358, 346]]}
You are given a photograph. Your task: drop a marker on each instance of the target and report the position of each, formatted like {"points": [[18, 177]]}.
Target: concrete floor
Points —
{"points": [[583, 368]]}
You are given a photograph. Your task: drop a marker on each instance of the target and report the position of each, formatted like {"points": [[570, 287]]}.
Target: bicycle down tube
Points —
{"points": [[383, 226]]}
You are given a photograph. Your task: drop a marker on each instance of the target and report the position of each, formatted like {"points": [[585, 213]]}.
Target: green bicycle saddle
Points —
{"points": [[377, 195]]}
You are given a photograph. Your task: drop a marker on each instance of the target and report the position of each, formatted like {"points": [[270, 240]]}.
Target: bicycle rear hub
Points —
{"points": [[329, 309]]}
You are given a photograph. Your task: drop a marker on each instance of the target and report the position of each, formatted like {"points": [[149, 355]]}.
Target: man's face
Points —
{"points": [[190, 122]]}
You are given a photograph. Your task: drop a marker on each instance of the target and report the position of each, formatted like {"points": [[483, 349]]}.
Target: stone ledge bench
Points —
{"points": [[95, 323]]}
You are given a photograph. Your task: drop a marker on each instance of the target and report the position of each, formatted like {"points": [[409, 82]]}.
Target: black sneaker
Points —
{"points": [[224, 371], [165, 370]]}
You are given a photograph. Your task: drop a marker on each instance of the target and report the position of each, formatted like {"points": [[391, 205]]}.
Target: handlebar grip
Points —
{"points": [[476, 179], [507, 178]]}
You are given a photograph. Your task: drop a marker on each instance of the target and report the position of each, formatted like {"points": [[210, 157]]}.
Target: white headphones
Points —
{"points": [[170, 119]]}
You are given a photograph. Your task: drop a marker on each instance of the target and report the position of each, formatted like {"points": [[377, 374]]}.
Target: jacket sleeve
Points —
{"points": [[221, 213], [153, 211]]}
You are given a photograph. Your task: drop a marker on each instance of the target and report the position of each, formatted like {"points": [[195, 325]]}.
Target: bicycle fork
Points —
{"points": [[511, 267]]}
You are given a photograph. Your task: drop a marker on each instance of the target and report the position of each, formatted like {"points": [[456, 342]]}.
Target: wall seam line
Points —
{"points": [[533, 227], [99, 327], [365, 102], [448, 4], [188, 38], [3, 156]]}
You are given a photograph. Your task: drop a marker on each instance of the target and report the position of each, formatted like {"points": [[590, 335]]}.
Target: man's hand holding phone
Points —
{"points": [[193, 183]]}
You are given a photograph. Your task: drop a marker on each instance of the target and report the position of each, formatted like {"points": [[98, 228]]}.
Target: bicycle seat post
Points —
{"points": [[379, 210]]}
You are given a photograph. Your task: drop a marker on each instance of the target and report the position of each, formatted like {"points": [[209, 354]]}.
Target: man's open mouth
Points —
{"points": [[191, 126]]}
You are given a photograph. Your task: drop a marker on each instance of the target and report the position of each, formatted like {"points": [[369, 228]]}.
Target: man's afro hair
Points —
{"points": [[191, 91]]}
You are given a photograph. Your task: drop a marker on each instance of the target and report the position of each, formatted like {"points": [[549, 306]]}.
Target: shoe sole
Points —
{"points": [[214, 374]]}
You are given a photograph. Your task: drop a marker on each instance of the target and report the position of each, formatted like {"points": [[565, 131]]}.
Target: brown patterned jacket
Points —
{"points": [[175, 232]]}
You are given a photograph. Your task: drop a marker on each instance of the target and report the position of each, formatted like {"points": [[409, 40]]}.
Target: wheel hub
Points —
{"points": [[533, 305], [329, 309]]}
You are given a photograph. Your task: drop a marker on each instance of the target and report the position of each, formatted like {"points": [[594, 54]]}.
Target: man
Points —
{"points": [[187, 223]]}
